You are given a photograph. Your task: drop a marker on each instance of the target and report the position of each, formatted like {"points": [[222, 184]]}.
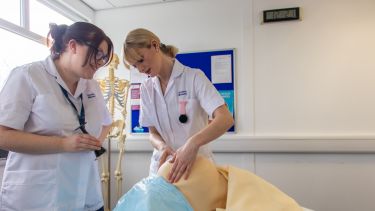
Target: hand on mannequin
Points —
{"points": [[166, 152], [183, 161]]}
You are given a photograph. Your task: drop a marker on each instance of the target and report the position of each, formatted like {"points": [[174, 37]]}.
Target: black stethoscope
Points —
{"points": [[182, 108]]}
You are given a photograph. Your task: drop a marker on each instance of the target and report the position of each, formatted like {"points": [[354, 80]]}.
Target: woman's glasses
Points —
{"points": [[100, 56]]}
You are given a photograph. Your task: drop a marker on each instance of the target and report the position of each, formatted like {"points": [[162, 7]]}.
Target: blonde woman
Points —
{"points": [[176, 103]]}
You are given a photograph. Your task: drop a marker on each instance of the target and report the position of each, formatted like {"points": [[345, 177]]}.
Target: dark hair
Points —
{"points": [[83, 33]]}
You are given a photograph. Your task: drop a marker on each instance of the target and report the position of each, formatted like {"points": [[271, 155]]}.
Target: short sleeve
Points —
{"points": [[16, 99], [145, 107], [107, 119], [208, 96]]}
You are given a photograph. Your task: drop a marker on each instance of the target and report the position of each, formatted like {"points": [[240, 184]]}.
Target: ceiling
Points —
{"points": [[112, 4]]}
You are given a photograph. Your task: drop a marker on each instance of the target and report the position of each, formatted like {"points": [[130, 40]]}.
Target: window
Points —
{"points": [[19, 51], [10, 11], [23, 28], [38, 21]]}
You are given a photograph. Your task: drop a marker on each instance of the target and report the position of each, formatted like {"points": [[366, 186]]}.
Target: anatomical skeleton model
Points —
{"points": [[115, 92]]}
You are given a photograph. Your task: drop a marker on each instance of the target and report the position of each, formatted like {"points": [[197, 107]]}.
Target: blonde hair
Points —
{"points": [[141, 38]]}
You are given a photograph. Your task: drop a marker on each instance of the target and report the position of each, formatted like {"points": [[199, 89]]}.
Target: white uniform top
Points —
{"points": [[162, 111], [32, 101]]}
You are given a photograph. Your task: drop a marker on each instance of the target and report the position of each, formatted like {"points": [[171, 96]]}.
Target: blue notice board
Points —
{"points": [[207, 61], [218, 65]]}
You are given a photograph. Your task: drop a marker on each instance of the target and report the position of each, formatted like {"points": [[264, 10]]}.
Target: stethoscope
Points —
{"points": [[182, 109]]}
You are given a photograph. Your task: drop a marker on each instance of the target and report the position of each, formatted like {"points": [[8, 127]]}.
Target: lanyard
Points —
{"points": [[81, 119], [81, 115]]}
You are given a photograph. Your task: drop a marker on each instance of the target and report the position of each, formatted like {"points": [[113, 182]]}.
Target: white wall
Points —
{"points": [[304, 91], [302, 78], [316, 76]]}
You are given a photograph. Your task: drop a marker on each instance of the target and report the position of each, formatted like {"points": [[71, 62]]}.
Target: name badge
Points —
{"points": [[91, 95], [182, 93]]}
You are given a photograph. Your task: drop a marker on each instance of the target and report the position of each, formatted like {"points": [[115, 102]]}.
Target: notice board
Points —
{"points": [[218, 65]]}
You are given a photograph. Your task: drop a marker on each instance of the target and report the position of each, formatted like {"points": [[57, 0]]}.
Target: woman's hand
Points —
{"points": [[183, 161], [165, 152], [80, 142]]}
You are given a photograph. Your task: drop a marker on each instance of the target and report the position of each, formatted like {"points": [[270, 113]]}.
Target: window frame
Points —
{"points": [[24, 28]]}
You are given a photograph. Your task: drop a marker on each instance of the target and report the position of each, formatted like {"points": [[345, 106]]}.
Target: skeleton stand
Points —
{"points": [[115, 92]]}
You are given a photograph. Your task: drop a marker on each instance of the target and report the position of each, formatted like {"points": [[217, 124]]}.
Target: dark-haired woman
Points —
{"points": [[53, 120]]}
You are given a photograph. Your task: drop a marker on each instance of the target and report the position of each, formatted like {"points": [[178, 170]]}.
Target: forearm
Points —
{"points": [[104, 133], [222, 121], [156, 140], [19, 141]]}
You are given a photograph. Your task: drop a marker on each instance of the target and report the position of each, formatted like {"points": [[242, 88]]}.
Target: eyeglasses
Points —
{"points": [[100, 56]]}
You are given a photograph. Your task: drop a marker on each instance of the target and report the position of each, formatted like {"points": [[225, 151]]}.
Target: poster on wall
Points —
{"points": [[135, 94]]}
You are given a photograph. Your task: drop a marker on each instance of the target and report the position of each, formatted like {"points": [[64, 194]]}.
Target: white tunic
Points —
{"points": [[32, 101], [162, 111]]}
